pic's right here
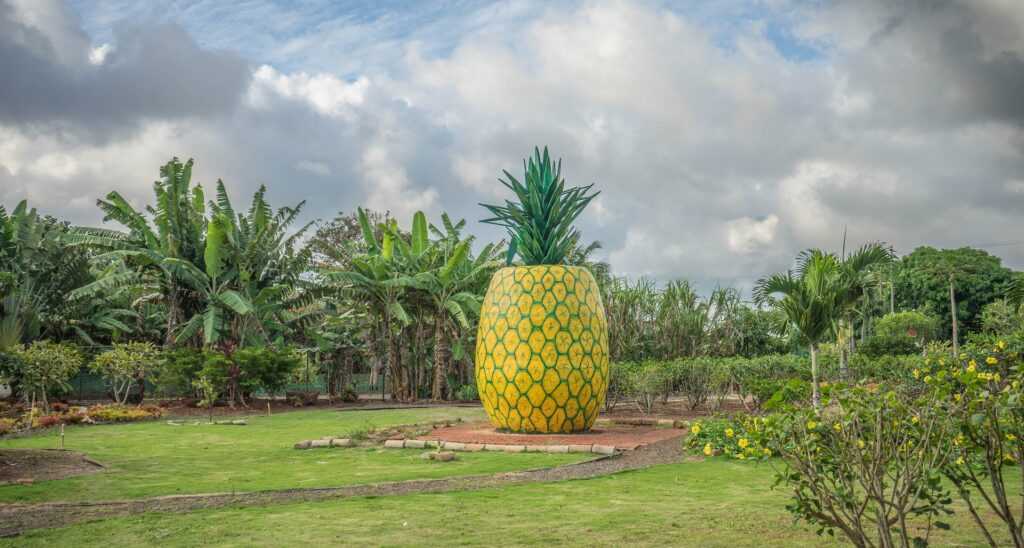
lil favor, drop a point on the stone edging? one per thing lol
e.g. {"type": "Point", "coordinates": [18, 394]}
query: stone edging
{"type": "Point", "coordinates": [475, 447]}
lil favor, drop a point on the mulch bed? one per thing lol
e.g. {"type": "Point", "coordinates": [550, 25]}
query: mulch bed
{"type": "Point", "coordinates": [31, 465]}
{"type": "Point", "coordinates": [676, 409]}
{"type": "Point", "coordinates": [623, 437]}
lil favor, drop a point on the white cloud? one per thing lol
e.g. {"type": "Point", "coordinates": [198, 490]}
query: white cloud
{"type": "Point", "coordinates": [326, 93]}
{"type": "Point", "coordinates": [717, 160]}
{"type": "Point", "coordinates": [746, 234]}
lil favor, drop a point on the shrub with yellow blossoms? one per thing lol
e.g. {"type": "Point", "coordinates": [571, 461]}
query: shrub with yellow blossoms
{"type": "Point", "coordinates": [735, 437]}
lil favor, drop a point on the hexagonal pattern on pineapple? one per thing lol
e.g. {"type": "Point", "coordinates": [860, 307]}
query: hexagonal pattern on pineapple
{"type": "Point", "coordinates": [542, 349]}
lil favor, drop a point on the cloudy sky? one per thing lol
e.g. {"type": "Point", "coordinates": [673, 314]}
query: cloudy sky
{"type": "Point", "coordinates": [725, 136]}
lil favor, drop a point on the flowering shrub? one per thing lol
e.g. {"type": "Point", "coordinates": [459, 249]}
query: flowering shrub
{"type": "Point", "coordinates": [866, 464]}
{"type": "Point", "coordinates": [985, 383]}
{"type": "Point", "coordinates": [7, 426]}
{"type": "Point", "coordinates": [119, 413]}
{"type": "Point", "coordinates": [739, 438]}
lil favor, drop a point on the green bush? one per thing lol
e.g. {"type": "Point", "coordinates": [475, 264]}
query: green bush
{"type": "Point", "coordinates": [267, 368]}
{"type": "Point", "coordinates": [648, 381]}
{"type": "Point", "coordinates": [467, 392]}
{"type": "Point", "coordinates": [177, 369]}
{"type": "Point", "coordinates": [620, 384]}
{"type": "Point", "coordinates": [694, 378]}
{"type": "Point", "coordinates": [125, 365]}
{"type": "Point", "coordinates": [736, 437]}
{"type": "Point", "coordinates": [44, 368]}
{"type": "Point", "coordinates": [879, 345]}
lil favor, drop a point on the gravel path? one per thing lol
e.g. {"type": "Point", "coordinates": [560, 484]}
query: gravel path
{"type": "Point", "coordinates": [18, 518]}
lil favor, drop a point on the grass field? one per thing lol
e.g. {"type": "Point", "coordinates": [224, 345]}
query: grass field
{"type": "Point", "coordinates": [153, 458]}
{"type": "Point", "coordinates": [710, 503]}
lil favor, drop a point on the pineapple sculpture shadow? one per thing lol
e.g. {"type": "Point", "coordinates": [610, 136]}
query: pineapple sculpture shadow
{"type": "Point", "coordinates": [542, 343]}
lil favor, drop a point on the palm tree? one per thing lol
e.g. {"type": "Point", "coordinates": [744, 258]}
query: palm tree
{"type": "Point", "coordinates": [812, 300]}
{"type": "Point", "coordinates": [855, 278]}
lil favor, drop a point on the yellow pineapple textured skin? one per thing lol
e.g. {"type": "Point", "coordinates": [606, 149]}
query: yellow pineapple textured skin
{"type": "Point", "coordinates": [542, 349]}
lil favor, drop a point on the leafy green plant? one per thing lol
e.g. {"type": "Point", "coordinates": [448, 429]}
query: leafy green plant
{"type": "Point", "coordinates": [124, 365]}
{"type": "Point", "coordinates": [44, 367]}
{"type": "Point", "coordinates": [868, 468]}
{"type": "Point", "coordinates": [540, 224]}
{"type": "Point", "coordinates": [735, 437]}
{"type": "Point", "coordinates": [467, 392]}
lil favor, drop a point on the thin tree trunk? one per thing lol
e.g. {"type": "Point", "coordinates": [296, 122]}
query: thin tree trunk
{"type": "Point", "coordinates": [952, 312]}
{"type": "Point", "coordinates": [173, 311]}
{"type": "Point", "coordinates": [892, 298]}
{"type": "Point", "coordinates": [394, 363]}
{"type": "Point", "coordinates": [815, 392]}
{"type": "Point", "coordinates": [843, 356]}
{"type": "Point", "coordinates": [442, 355]}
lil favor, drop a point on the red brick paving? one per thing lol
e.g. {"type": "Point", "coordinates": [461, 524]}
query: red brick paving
{"type": "Point", "coordinates": [623, 437]}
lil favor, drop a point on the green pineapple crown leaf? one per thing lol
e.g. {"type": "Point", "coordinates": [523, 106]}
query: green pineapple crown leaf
{"type": "Point", "coordinates": [540, 224]}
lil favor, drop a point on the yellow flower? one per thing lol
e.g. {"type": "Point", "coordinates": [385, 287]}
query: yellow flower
{"type": "Point", "coordinates": [971, 366]}
{"type": "Point", "coordinates": [860, 444]}
{"type": "Point", "coordinates": [695, 429]}
{"type": "Point", "coordinates": [917, 373]}
{"type": "Point", "coordinates": [837, 427]}
{"type": "Point", "coordinates": [960, 461]}
{"type": "Point", "coordinates": [957, 396]}
{"type": "Point", "coordinates": [1011, 437]}
{"type": "Point", "coordinates": [991, 360]}
{"type": "Point", "coordinates": [1001, 345]}
{"type": "Point", "coordinates": [728, 432]}
{"type": "Point", "coordinates": [811, 425]}
{"type": "Point", "coordinates": [767, 452]}
{"type": "Point", "coordinates": [927, 379]}
{"type": "Point", "coordinates": [708, 450]}
{"type": "Point", "coordinates": [743, 443]}
{"type": "Point", "coordinates": [914, 419]}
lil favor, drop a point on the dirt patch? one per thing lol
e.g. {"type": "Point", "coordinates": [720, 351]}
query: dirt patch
{"type": "Point", "coordinates": [676, 409]}
{"type": "Point", "coordinates": [623, 437]}
{"type": "Point", "coordinates": [31, 465]}
{"type": "Point", "coordinates": [18, 518]}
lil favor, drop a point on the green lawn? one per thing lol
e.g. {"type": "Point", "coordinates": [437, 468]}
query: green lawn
{"type": "Point", "coordinates": [711, 503]}
{"type": "Point", "coordinates": [154, 458]}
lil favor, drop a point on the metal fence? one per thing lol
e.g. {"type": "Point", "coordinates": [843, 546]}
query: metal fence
{"type": "Point", "coordinates": [88, 386]}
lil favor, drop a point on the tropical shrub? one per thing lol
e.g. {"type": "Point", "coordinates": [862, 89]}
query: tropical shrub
{"type": "Point", "coordinates": [649, 380]}
{"type": "Point", "coordinates": [736, 437]}
{"type": "Point", "coordinates": [177, 369]}
{"type": "Point", "coordinates": [883, 345]}
{"type": "Point", "coordinates": [266, 368]}
{"type": "Point", "coordinates": [467, 392]}
{"type": "Point", "coordinates": [620, 384]}
{"type": "Point", "coordinates": [989, 429]}
{"type": "Point", "coordinates": [694, 378]}
{"type": "Point", "coordinates": [866, 464]}
{"type": "Point", "coordinates": [124, 365]}
{"type": "Point", "coordinates": [44, 367]}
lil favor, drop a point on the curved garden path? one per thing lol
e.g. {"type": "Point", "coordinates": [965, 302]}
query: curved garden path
{"type": "Point", "coordinates": [17, 518]}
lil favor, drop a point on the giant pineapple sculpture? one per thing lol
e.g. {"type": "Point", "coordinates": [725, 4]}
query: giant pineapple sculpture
{"type": "Point", "coordinates": [542, 344]}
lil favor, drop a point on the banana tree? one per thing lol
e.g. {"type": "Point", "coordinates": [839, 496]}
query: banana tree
{"type": "Point", "coordinates": [453, 288]}
{"type": "Point", "coordinates": [376, 278]}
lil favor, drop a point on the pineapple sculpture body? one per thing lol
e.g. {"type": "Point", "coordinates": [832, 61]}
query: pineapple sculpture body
{"type": "Point", "coordinates": [542, 349]}
{"type": "Point", "coordinates": [542, 344]}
